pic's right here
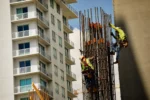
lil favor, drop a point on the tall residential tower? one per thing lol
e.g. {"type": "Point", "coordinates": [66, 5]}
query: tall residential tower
{"type": "Point", "coordinates": [35, 47]}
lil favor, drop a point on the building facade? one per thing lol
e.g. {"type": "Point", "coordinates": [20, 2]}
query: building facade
{"type": "Point", "coordinates": [134, 17]}
{"type": "Point", "coordinates": [36, 48]}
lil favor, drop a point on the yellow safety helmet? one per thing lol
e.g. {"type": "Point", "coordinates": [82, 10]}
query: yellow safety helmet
{"type": "Point", "coordinates": [81, 57]}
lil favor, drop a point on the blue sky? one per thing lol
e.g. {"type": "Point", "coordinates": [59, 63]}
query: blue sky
{"type": "Point", "coordinates": [82, 5]}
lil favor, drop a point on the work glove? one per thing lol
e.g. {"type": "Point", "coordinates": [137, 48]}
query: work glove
{"type": "Point", "coordinates": [109, 24]}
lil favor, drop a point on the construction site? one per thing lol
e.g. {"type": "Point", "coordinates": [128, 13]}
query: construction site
{"type": "Point", "coordinates": [112, 67]}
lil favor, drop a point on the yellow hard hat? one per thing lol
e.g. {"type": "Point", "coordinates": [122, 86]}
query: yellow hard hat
{"type": "Point", "coordinates": [81, 57]}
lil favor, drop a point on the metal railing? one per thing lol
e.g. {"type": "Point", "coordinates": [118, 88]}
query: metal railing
{"type": "Point", "coordinates": [23, 52]}
{"type": "Point", "coordinates": [71, 74]}
{"type": "Point", "coordinates": [43, 53]}
{"type": "Point", "coordinates": [28, 33]}
{"type": "Point", "coordinates": [67, 24]}
{"type": "Point", "coordinates": [45, 37]}
{"type": "Point", "coordinates": [70, 89]}
{"type": "Point", "coordinates": [27, 88]}
{"type": "Point", "coordinates": [43, 3]}
{"type": "Point", "coordinates": [43, 19]}
{"type": "Point", "coordinates": [28, 15]}
{"type": "Point", "coordinates": [30, 69]}
{"type": "Point", "coordinates": [70, 42]}
{"type": "Point", "coordinates": [12, 1]}
{"type": "Point", "coordinates": [70, 7]}
{"type": "Point", "coordinates": [70, 58]}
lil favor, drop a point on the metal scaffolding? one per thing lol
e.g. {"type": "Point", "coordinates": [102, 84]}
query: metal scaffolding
{"type": "Point", "coordinates": [95, 40]}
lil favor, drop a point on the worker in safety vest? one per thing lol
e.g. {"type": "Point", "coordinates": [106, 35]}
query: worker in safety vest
{"type": "Point", "coordinates": [121, 42]}
{"type": "Point", "coordinates": [88, 72]}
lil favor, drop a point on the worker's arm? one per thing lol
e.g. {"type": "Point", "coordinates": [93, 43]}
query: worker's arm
{"type": "Point", "coordinates": [90, 58]}
{"type": "Point", "coordinates": [113, 36]}
{"type": "Point", "coordinates": [113, 26]}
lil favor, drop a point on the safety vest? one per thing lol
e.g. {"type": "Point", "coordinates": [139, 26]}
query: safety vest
{"type": "Point", "coordinates": [120, 31]}
{"type": "Point", "coordinates": [85, 66]}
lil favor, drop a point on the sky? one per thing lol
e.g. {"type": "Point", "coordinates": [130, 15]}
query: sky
{"type": "Point", "coordinates": [82, 5]}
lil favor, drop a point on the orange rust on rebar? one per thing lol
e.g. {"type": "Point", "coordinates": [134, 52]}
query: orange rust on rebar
{"type": "Point", "coordinates": [89, 42]}
{"type": "Point", "coordinates": [94, 40]}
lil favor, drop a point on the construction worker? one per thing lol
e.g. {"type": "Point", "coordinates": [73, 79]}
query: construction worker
{"type": "Point", "coordinates": [88, 72]}
{"type": "Point", "coordinates": [121, 42]}
{"type": "Point", "coordinates": [120, 33]}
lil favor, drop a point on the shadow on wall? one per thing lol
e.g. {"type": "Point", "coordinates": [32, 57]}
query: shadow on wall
{"type": "Point", "coordinates": [130, 79]}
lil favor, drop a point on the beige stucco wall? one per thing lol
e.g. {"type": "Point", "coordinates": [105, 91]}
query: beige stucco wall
{"type": "Point", "coordinates": [134, 66]}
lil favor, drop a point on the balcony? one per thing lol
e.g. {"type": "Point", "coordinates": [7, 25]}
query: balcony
{"type": "Point", "coordinates": [25, 89]}
{"type": "Point", "coordinates": [34, 51]}
{"type": "Point", "coordinates": [70, 92]}
{"type": "Point", "coordinates": [68, 10]}
{"type": "Point", "coordinates": [19, 2]}
{"type": "Point", "coordinates": [30, 16]}
{"type": "Point", "coordinates": [71, 1]}
{"type": "Point", "coordinates": [69, 44]}
{"type": "Point", "coordinates": [71, 76]}
{"type": "Point", "coordinates": [40, 3]}
{"type": "Point", "coordinates": [31, 34]}
{"type": "Point", "coordinates": [68, 28]}
{"type": "Point", "coordinates": [70, 60]}
{"type": "Point", "coordinates": [32, 70]}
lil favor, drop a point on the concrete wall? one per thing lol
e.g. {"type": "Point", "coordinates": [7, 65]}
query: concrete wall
{"type": "Point", "coordinates": [6, 67]}
{"type": "Point", "coordinates": [134, 66]}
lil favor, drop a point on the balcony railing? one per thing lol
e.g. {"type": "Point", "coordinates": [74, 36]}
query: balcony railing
{"type": "Point", "coordinates": [43, 3]}
{"type": "Point", "coordinates": [70, 58]}
{"type": "Point", "coordinates": [71, 74]}
{"type": "Point", "coordinates": [28, 33]}
{"type": "Point", "coordinates": [43, 19]}
{"type": "Point", "coordinates": [32, 69]}
{"type": "Point", "coordinates": [12, 1]}
{"type": "Point", "coordinates": [70, 42]}
{"type": "Point", "coordinates": [22, 16]}
{"type": "Point", "coordinates": [27, 88]}
{"type": "Point", "coordinates": [70, 89]}
{"type": "Point", "coordinates": [70, 7]}
{"type": "Point", "coordinates": [29, 15]}
{"type": "Point", "coordinates": [67, 24]}
{"type": "Point", "coordinates": [30, 51]}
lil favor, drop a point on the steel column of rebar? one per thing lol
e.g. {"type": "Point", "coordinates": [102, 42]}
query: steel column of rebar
{"type": "Point", "coordinates": [94, 40]}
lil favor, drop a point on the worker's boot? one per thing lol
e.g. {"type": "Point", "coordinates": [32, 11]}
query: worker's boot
{"type": "Point", "coordinates": [112, 53]}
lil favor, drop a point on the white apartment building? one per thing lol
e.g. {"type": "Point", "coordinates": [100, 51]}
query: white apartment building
{"type": "Point", "coordinates": [36, 48]}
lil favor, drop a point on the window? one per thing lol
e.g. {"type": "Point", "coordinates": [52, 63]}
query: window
{"type": "Point", "coordinates": [52, 19]}
{"type": "Point", "coordinates": [66, 52]}
{"type": "Point", "coordinates": [65, 36]}
{"type": "Point", "coordinates": [41, 32]}
{"type": "Point", "coordinates": [40, 14]}
{"type": "Point", "coordinates": [42, 49]}
{"type": "Point", "coordinates": [26, 98]}
{"type": "Point", "coordinates": [58, 8]}
{"type": "Point", "coordinates": [61, 57]}
{"type": "Point", "coordinates": [67, 68]}
{"type": "Point", "coordinates": [64, 20]}
{"type": "Point", "coordinates": [25, 85]}
{"type": "Point", "coordinates": [22, 10]}
{"type": "Point", "coordinates": [56, 88]}
{"type": "Point", "coordinates": [62, 75]}
{"type": "Point", "coordinates": [56, 70]}
{"type": "Point", "coordinates": [23, 28]}
{"type": "Point", "coordinates": [54, 53]}
{"type": "Point", "coordinates": [60, 41]}
{"type": "Point", "coordinates": [59, 24]}
{"type": "Point", "coordinates": [43, 83]}
{"type": "Point", "coordinates": [26, 63]}
{"type": "Point", "coordinates": [42, 67]}
{"type": "Point", "coordinates": [24, 45]}
{"type": "Point", "coordinates": [54, 36]}
{"type": "Point", "coordinates": [52, 3]}
{"type": "Point", "coordinates": [63, 92]}
{"type": "Point", "coordinates": [69, 85]}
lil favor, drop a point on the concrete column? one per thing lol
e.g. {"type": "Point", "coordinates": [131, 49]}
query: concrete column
{"type": "Point", "coordinates": [134, 64]}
